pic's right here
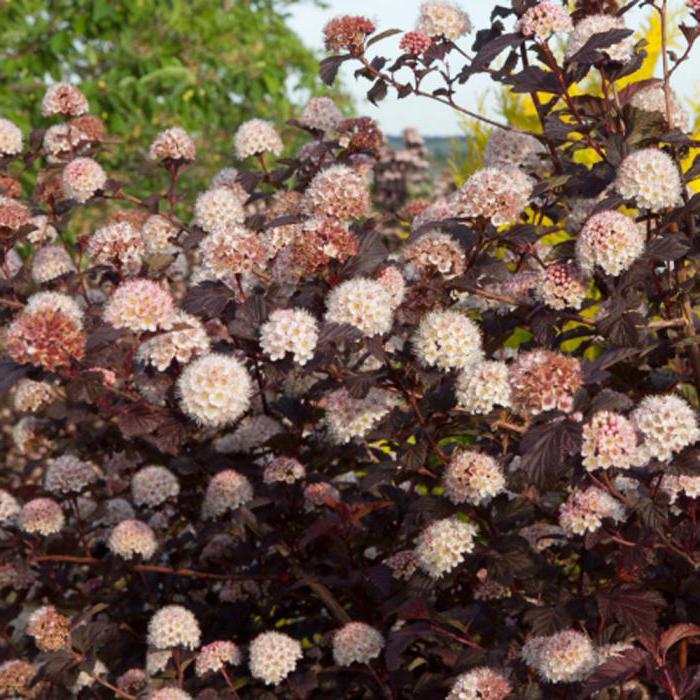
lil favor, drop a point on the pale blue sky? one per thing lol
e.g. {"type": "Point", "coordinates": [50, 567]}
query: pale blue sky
{"type": "Point", "coordinates": [431, 118]}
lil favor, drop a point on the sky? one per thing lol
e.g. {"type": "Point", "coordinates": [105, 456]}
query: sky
{"type": "Point", "coordinates": [308, 20]}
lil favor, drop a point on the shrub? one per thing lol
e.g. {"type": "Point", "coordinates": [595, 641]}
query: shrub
{"type": "Point", "coordinates": [287, 447]}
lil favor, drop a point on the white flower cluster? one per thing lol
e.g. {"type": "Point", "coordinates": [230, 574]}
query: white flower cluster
{"type": "Point", "coordinates": [562, 287]}
{"type": "Point", "coordinates": [140, 305]}
{"type": "Point", "coordinates": [498, 194]}
{"type": "Point", "coordinates": [10, 138]}
{"type": "Point", "coordinates": [585, 510]}
{"type": "Point", "coordinates": [82, 178]}
{"type": "Point", "coordinates": [441, 18]}
{"type": "Point", "coordinates": [565, 657]}
{"type": "Point", "coordinates": [173, 626]}
{"type": "Point", "coordinates": [507, 148]}
{"type": "Point", "coordinates": [363, 303]}
{"type": "Point", "coordinates": [483, 386]}
{"type": "Point", "coordinates": [667, 425]}
{"type": "Point", "coordinates": [154, 485]}
{"type": "Point", "coordinates": [653, 99]}
{"type": "Point", "coordinates": [69, 474]}
{"type": "Point", "coordinates": [131, 538]}
{"type": "Point", "coordinates": [480, 683]}
{"type": "Point", "coordinates": [443, 545]}
{"type": "Point", "coordinates": [41, 516]}
{"type": "Point", "coordinates": [255, 137]}
{"type": "Point", "coordinates": [544, 19]}
{"type": "Point", "coordinates": [117, 245]}
{"type": "Point", "coordinates": [31, 396]}
{"type": "Point", "coordinates": [650, 177]}
{"type": "Point", "coordinates": [226, 491]}
{"type": "Point", "coordinates": [448, 340]}
{"type": "Point", "coordinates": [599, 24]}
{"type": "Point", "coordinates": [473, 477]}
{"type": "Point", "coordinates": [289, 330]}
{"type": "Point", "coordinates": [321, 113]}
{"type": "Point", "coordinates": [676, 484]}
{"type": "Point", "coordinates": [215, 390]}
{"type": "Point", "coordinates": [218, 210]}
{"type": "Point", "coordinates": [611, 241]}
{"type": "Point", "coordinates": [609, 440]}
{"type": "Point", "coordinates": [173, 144]}
{"type": "Point", "coordinates": [284, 469]}
{"type": "Point", "coordinates": [273, 656]}
{"type": "Point", "coordinates": [436, 251]}
{"type": "Point", "coordinates": [350, 419]}
{"type": "Point", "coordinates": [215, 656]}
{"type": "Point", "coordinates": [356, 642]}
{"type": "Point", "coordinates": [187, 339]}
{"type": "Point", "coordinates": [51, 262]}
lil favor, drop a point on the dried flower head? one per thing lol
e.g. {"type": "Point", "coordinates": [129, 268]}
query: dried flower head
{"type": "Point", "coordinates": [415, 43]}
{"type": "Point", "coordinates": [233, 251]}
{"type": "Point", "coordinates": [667, 424]}
{"type": "Point", "coordinates": [611, 241]}
{"type": "Point", "coordinates": [64, 99]}
{"type": "Point", "coordinates": [650, 177]}
{"type": "Point", "coordinates": [226, 491]}
{"type": "Point", "coordinates": [173, 626]}
{"type": "Point", "coordinates": [321, 113]}
{"type": "Point", "coordinates": [256, 137]}
{"type": "Point", "coordinates": [609, 440]}
{"type": "Point", "coordinates": [69, 474]}
{"type": "Point", "coordinates": [117, 245]}
{"type": "Point", "coordinates": [321, 493]}
{"type": "Point", "coordinates": [543, 380]}
{"type": "Point", "coordinates": [217, 210]}
{"type": "Point", "coordinates": [585, 28]}
{"type": "Point", "coordinates": [15, 678]}
{"type": "Point", "coordinates": [153, 485]}
{"type": "Point", "coordinates": [337, 192]}
{"type": "Point", "coordinates": [360, 135]}
{"type": "Point", "coordinates": [289, 330]}
{"type": "Point", "coordinates": [319, 241]}
{"type": "Point", "coordinates": [564, 657]}
{"type": "Point", "coordinates": [356, 642]}
{"type": "Point", "coordinates": [480, 684]}
{"type": "Point", "coordinates": [132, 538]}
{"type": "Point", "coordinates": [499, 194]}
{"type": "Point", "coordinates": [363, 303]}
{"type": "Point", "coordinates": [473, 477]}
{"type": "Point", "coordinates": [439, 18]}
{"type": "Point", "coordinates": [140, 305]}
{"type": "Point", "coordinates": [45, 338]}
{"type": "Point", "coordinates": [173, 144]}
{"type": "Point", "coordinates": [83, 178]}
{"type": "Point", "coordinates": [443, 545]}
{"type": "Point", "coordinates": [10, 138]}
{"type": "Point", "coordinates": [30, 396]}
{"type": "Point", "coordinates": [403, 564]}
{"type": "Point", "coordinates": [215, 656]}
{"type": "Point", "coordinates": [13, 214]}
{"type": "Point", "coordinates": [133, 680]}
{"type": "Point", "coordinates": [273, 656]}
{"type": "Point", "coordinates": [347, 33]}
{"type": "Point", "coordinates": [215, 390]}
{"type": "Point", "coordinates": [544, 19]}
{"type": "Point", "coordinates": [448, 340]}
{"type": "Point", "coordinates": [585, 510]}
{"type": "Point", "coordinates": [49, 629]}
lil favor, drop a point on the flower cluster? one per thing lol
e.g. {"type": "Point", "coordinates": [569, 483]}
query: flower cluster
{"type": "Point", "coordinates": [585, 510]}
{"type": "Point", "coordinates": [442, 546]}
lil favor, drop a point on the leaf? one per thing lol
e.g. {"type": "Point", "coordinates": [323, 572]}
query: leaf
{"type": "Point", "coordinates": [652, 512]}
{"type": "Point", "coordinates": [488, 53]}
{"type": "Point", "coordinates": [635, 608]}
{"type": "Point", "coordinates": [139, 419]}
{"type": "Point", "coordinates": [10, 374]}
{"type": "Point", "coordinates": [337, 333]}
{"type": "Point", "coordinates": [383, 35]}
{"type": "Point", "coordinates": [615, 671]}
{"type": "Point", "coordinates": [377, 92]}
{"type": "Point", "coordinates": [591, 51]}
{"type": "Point", "coordinates": [329, 68]}
{"type": "Point", "coordinates": [208, 299]}
{"type": "Point", "coordinates": [545, 447]}
{"type": "Point", "coordinates": [669, 247]}
{"type": "Point", "coordinates": [534, 79]}
{"type": "Point", "coordinates": [675, 634]}
{"type": "Point", "coordinates": [371, 253]}
{"type": "Point", "coordinates": [547, 619]}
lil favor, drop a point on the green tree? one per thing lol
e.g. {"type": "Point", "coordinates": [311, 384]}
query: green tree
{"type": "Point", "coordinates": [205, 65]}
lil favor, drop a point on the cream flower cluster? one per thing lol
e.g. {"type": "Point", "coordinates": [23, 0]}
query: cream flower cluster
{"type": "Point", "coordinates": [562, 287]}
{"type": "Point", "coordinates": [273, 656]}
{"type": "Point", "coordinates": [611, 241]}
{"type": "Point", "coordinates": [217, 210]}
{"type": "Point", "coordinates": [140, 305]}
{"type": "Point", "coordinates": [215, 656]}
{"type": "Point", "coordinates": [117, 245]}
{"type": "Point", "coordinates": [153, 485]}
{"type": "Point", "coordinates": [483, 386]}
{"type": "Point", "coordinates": [363, 303]}
{"type": "Point", "coordinates": [436, 251]}
{"type": "Point", "coordinates": [292, 331]}
{"type": "Point", "coordinates": [356, 642]}
{"type": "Point", "coordinates": [10, 138]}
{"type": "Point", "coordinates": [131, 538]}
{"type": "Point", "coordinates": [173, 144]}
{"type": "Point", "coordinates": [653, 99]}
{"type": "Point", "coordinates": [31, 396]}
{"type": "Point", "coordinates": [442, 546]}
{"type": "Point", "coordinates": [585, 510]}
{"type": "Point", "coordinates": [41, 516]}
{"type": "Point", "coordinates": [349, 419]}
{"type": "Point", "coordinates": [173, 626]}
{"type": "Point", "coordinates": [609, 440]}
{"type": "Point", "coordinates": [480, 683]}
{"type": "Point", "coordinates": [215, 390]}
{"type": "Point", "coordinates": [650, 177]}
{"type": "Point", "coordinates": [82, 178]}
{"type": "Point", "coordinates": [50, 263]}
{"type": "Point", "coordinates": [473, 477]}
{"type": "Point", "coordinates": [226, 491]}
{"type": "Point", "coordinates": [565, 657]}
{"type": "Point", "coordinates": [337, 192]}
{"type": "Point", "coordinates": [544, 19]}
{"type": "Point", "coordinates": [441, 18]}
{"type": "Point", "coordinates": [321, 113]}
{"type": "Point", "coordinates": [69, 474]}
{"type": "Point", "coordinates": [667, 425]}
{"type": "Point", "coordinates": [255, 137]}
{"type": "Point", "coordinates": [187, 339]}
{"type": "Point", "coordinates": [507, 148]}
{"type": "Point", "coordinates": [599, 24]}
{"type": "Point", "coordinates": [448, 340]}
